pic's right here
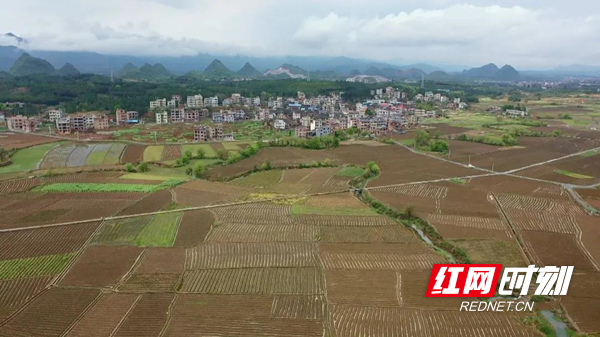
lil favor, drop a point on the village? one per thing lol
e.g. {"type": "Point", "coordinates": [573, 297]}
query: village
{"type": "Point", "coordinates": [389, 111]}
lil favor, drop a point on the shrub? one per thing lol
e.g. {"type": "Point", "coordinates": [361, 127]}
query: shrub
{"type": "Point", "coordinates": [266, 165]}
{"type": "Point", "coordinates": [198, 170]}
{"type": "Point", "coordinates": [187, 154]}
{"type": "Point", "coordinates": [129, 167]}
{"type": "Point", "coordinates": [143, 167]}
{"type": "Point", "coordinates": [188, 171]}
{"type": "Point", "coordinates": [200, 153]}
{"type": "Point", "coordinates": [222, 154]}
{"type": "Point", "coordinates": [185, 160]}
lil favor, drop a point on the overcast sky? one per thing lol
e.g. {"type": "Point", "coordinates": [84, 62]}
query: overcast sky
{"type": "Point", "coordinates": [529, 34]}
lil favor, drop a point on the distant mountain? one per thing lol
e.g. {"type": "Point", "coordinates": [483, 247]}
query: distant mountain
{"type": "Point", "coordinates": [8, 56]}
{"type": "Point", "coordinates": [248, 71]}
{"type": "Point", "coordinates": [414, 74]}
{"type": "Point", "coordinates": [354, 72]}
{"type": "Point", "coordinates": [487, 71]}
{"type": "Point", "coordinates": [287, 71]}
{"type": "Point", "coordinates": [28, 65]}
{"type": "Point", "coordinates": [68, 70]}
{"type": "Point", "coordinates": [374, 71]}
{"type": "Point", "coordinates": [438, 75]}
{"type": "Point", "coordinates": [507, 73]}
{"type": "Point", "coordinates": [216, 69]}
{"type": "Point", "coordinates": [146, 72]}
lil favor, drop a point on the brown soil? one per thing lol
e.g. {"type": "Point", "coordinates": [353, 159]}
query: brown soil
{"type": "Point", "coordinates": [194, 228]}
{"type": "Point", "coordinates": [362, 287]}
{"type": "Point", "coordinates": [412, 292]}
{"type": "Point", "coordinates": [15, 293]}
{"type": "Point", "coordinates": [172, 152]}
{"type": "Point", "coordinates": [133, 154]}
{"type": "Point", "coordinates": [18, 141]}
{"type": "Point", "coordinates": [152, 203]}
{"type": "Point", "coordinates": [101, 266]}
{"type": "Point", "coordinates": [563, 251]}
{"type": "Point", "coordinates": [104, 316]}
{"type": "Point", "coordinates": [162, 260]}
{"type": "Point", "coordinates": [148, 316]}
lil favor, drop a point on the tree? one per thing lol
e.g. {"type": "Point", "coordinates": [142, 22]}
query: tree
{"type": "Point", "coordinates": [185, 160]}
{"type": "Point", "coordinates": [188, 154]}
{"type": "Point", "coordinates": [188, 171]}
{"type": "Point", "coordinates": [423, 138]}
{"type": "Point", "coordinates": [129, 167]}
{"type": "Point", "coordinates": [143, 167]}
{"type": "Point", "coordinates": [222, 154]}
{"type": "Point", "coordinates": [198, 170]}
{"type": "Point", "coordinates": [200, 153]}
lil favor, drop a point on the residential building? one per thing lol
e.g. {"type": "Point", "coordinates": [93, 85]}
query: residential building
{"type": "Point", "coordinates": [195, 101]}
{"type": "Point", "coordinates": [63, 125]}
{"type": "Point", "coordinates": [127, 117]}
{"type": "Point", "coordinates": [101, 122]}
{"type": "Point", "coordinates": [211, 101]}
{"type": "Point", "coordinates": [301, 132]}
{"type": "Point", "coordinates": [217, 117]}
{"type": "Point", "coordinates": [279, 124]}
{"type": "Point", "coordinates": [159, 103]}
{"type": "Point", "coordinates": [22, 124]}
{"type": "Point", "coordinates": [191, 116]}
{"type": "Point", "coordinates": [200, 133]}
{"type": "Point", "coordinates": [54, 114]}
{"type": "Point", "coordinates": [82, 122]}
{"type": "Point", "coordinates": [162, 117]}
{"type": "Point", "coordinates": [177, 115]}
{"type": "Point", "coordinates": [323, 131]}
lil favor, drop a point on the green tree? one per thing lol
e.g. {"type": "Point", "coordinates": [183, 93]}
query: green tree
{"type": "Point", "coordinates": [200, 153]}
{"type": "Point", "coordinates": [129, 167]}
{"type": "Point", "coordinates": [198, 170]}
{"type": "Point", "coordinates": [143, 167]}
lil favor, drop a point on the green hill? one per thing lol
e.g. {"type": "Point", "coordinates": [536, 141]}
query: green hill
{"type": "Point", "coordinates": [146, 72]}
{"type": "Point", "coordinates": [248, 71]}
{"type": "Point", "coordinates": [216, 69]}
{"type": "Point", "coordinates": [28, 65]}
{"type": "Point", "coordinates": [68, 70]}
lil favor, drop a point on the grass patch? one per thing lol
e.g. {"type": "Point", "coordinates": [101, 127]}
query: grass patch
{"type": "Point", "coordinates": [28, 158]}
{"type": "Point", "coordinates": [458, 181]}
{"type": "Point", "coordinates": [303, 209]}
{"type": "Point", "coordinates": [407, 142]}
{"type": "Point", "coordinates": [95, 158]}
{"type": "Point", "coordinates": [121, 232]}
{"type": "Point", "coordinates": [231, 146]}
{"type": "Point", "coordinates": [159, 173]}
{"type": "Point", "coordinates": [492, 251]}
{"type": "Point", "coordinates": [209, 152]}
{"type": "Point", "coordinates": [153, 153]}
{"type": "Point", "coordinates": [590, 153]}
{"type": "Point", "coordinates": [263, 179]}
{"type": "Point", "coordinates": [350, 171]}
{"type": "Point", "coordinates": [94, 187]}
{"type": "Point", "coordinates": [464, 119]}
{"type": "Point", "coordinates": [161, 231]}
{"type": "Point", "coordinates": [573, 174]}
{"type": "Point", "coordinates": [33, 266]}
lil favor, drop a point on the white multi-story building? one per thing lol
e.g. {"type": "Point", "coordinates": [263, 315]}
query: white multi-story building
{"type": "Point", "coordinates": [279, 124]}
{"type": "Point", "coordinates": [211, 101]}
{"type": "Point", "coordinates": [195, 101]}
{"type": "Point", "coordinates": [162, 117]}
{"type": "Point", "coordinates": [53, 115]}
{"type": "Point", "coordinates": [159, 103]}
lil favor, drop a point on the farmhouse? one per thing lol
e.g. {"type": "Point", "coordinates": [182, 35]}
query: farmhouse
{"type": "Point", "coordinates": [22, 123]}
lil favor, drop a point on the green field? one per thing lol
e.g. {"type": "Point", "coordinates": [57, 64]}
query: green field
{"type": "Point", "coordinates": [95, 158]}
{"type": "Point", "coordinates": [34, 266]}
{"type": "Point", "coordinates": [27, 159]}
{"type": "Point", "coordinates": [407, 142]}
{"type": "Point", "coordinates": [464, 119]}
{"type": "Point", "coordinates": [350, 171]}
{"type": "Point", "coordinates": [262, 179]}
{"type": "Point", "coordinates": [251, 130]}
{"type": "Point", "coordinates": [590, 153]}
{"type": "Point", "coordinates": [161, 231]}
{"type": "Point", "coordinates": [209, 152]}
{"type": "Point", "coordinates": [113, 187]}
{"type": "Point", "coordinates": [303, 209]}
{"type": "Point", "coordinates": [458, 181]}
{"type": "Point", "coordinates": [573, 174]}
{"type": "Point", "coordinates": [121, 232]}
{"type": "Point", "coordinates": [153, 153]}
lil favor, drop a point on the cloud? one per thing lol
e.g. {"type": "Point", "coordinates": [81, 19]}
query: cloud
{"type": "Point", "coordinates": [530, 35]}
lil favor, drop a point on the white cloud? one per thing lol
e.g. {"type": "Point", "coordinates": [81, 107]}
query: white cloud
{"type": "Point", "coordinates": [532, 35]}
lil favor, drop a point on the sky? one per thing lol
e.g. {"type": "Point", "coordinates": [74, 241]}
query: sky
{"type": "Point", "coordinates": [527, 34]}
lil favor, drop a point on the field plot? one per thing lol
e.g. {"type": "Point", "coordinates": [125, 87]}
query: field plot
{"type": "Point", "coordinates": [34, 266]}
{"type": "Point", "coordinates": [133, 154]}
{"type": "Point", "coordinates": [113, 155]}
{"type": "Point", "coordinates": [44, 241]}
{"type": "Point", "coordinates": [18, 185]}
{"type": "Point", "coordinates": [148, 316]}
{"type": "Point", "coordinates": [153, 153]}
{"type": "Point", "coordinates": [9, 140]}
{"type": "Point", "coordinates": [57, 157]}
{"type": "Point", "coordinates": [255, 213]}
{"type": "Point", "coordinates": [251, 255]}
{"type": "Point", "coordinates": [398, 322]}
{"type": "Point", "coordinates": [366, 234]}
{"type": "Point", "coordinates": [154, 282]}
{"type": "Point", "coordinates": [418, 190]}
{"type": "Point", "coordinates": [172, 152]}
{"type": "Point", "coordinates": [194, 227]}
{"type": "Point", "coordinates": [96, 157]}
{"type": "Point", "coordinates": [525, 203]}
{"type": "Point", "coordinates": [377, 256]}
{"type": "Point", "coordinates": [209, 152]}
{"type": "Point", "coordinates": [151, 203]}
{"type": "Point", "coordinates": [542, 221]}
{"type": "Point", "coordinates": [341, 220]}
{"type": "Point", "coordinates": [504, 252]}
{"type": "Point", "coordinates": [565, 250]}
{"type": "Point", "coordinates": [104, 317]}
{"type": "Point", "coordinates": [363, 287]}
{"type": "Point", "coordinates": [466, 221]}
{"type": "Point", "coordinates": [160, 232]}
{"type": "Point", "coordinates": [582, 300]}
{"type": "Point", "coordinates": [411, 292]}
{"type": "Point", "coordinates": [246, 315]}
{"type": "Point", "coordinates": [27, 159]}
{"type": "Point", "coordinates": [121, 232]}
{"type": "Point", "coordinates": [15, 293]}
{"type": "Point", "coordinates": [48, 315]}
{"type": "Point", "coordinates": [254, 281]}
{"type": "Point", "coordinates": [237, 232]}
{"type": "Point", "coordinates": [79, 155]}
{"type": "Point", "coordinates": [591, 196]}
{"type": "Point", "coordinates": [101, 266]}
{"type": "Point", "coordinates": [339, 200]}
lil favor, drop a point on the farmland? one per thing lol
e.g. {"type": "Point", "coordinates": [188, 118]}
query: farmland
{"type": "Point", "coordinates": [290, 249]}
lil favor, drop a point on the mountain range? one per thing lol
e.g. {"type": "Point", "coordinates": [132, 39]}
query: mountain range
{"type": "Point", "coordinates": [27, 65]}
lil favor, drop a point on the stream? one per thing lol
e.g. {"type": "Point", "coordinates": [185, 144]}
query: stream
{"type": "Point", "coordinates": [559, 327]}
